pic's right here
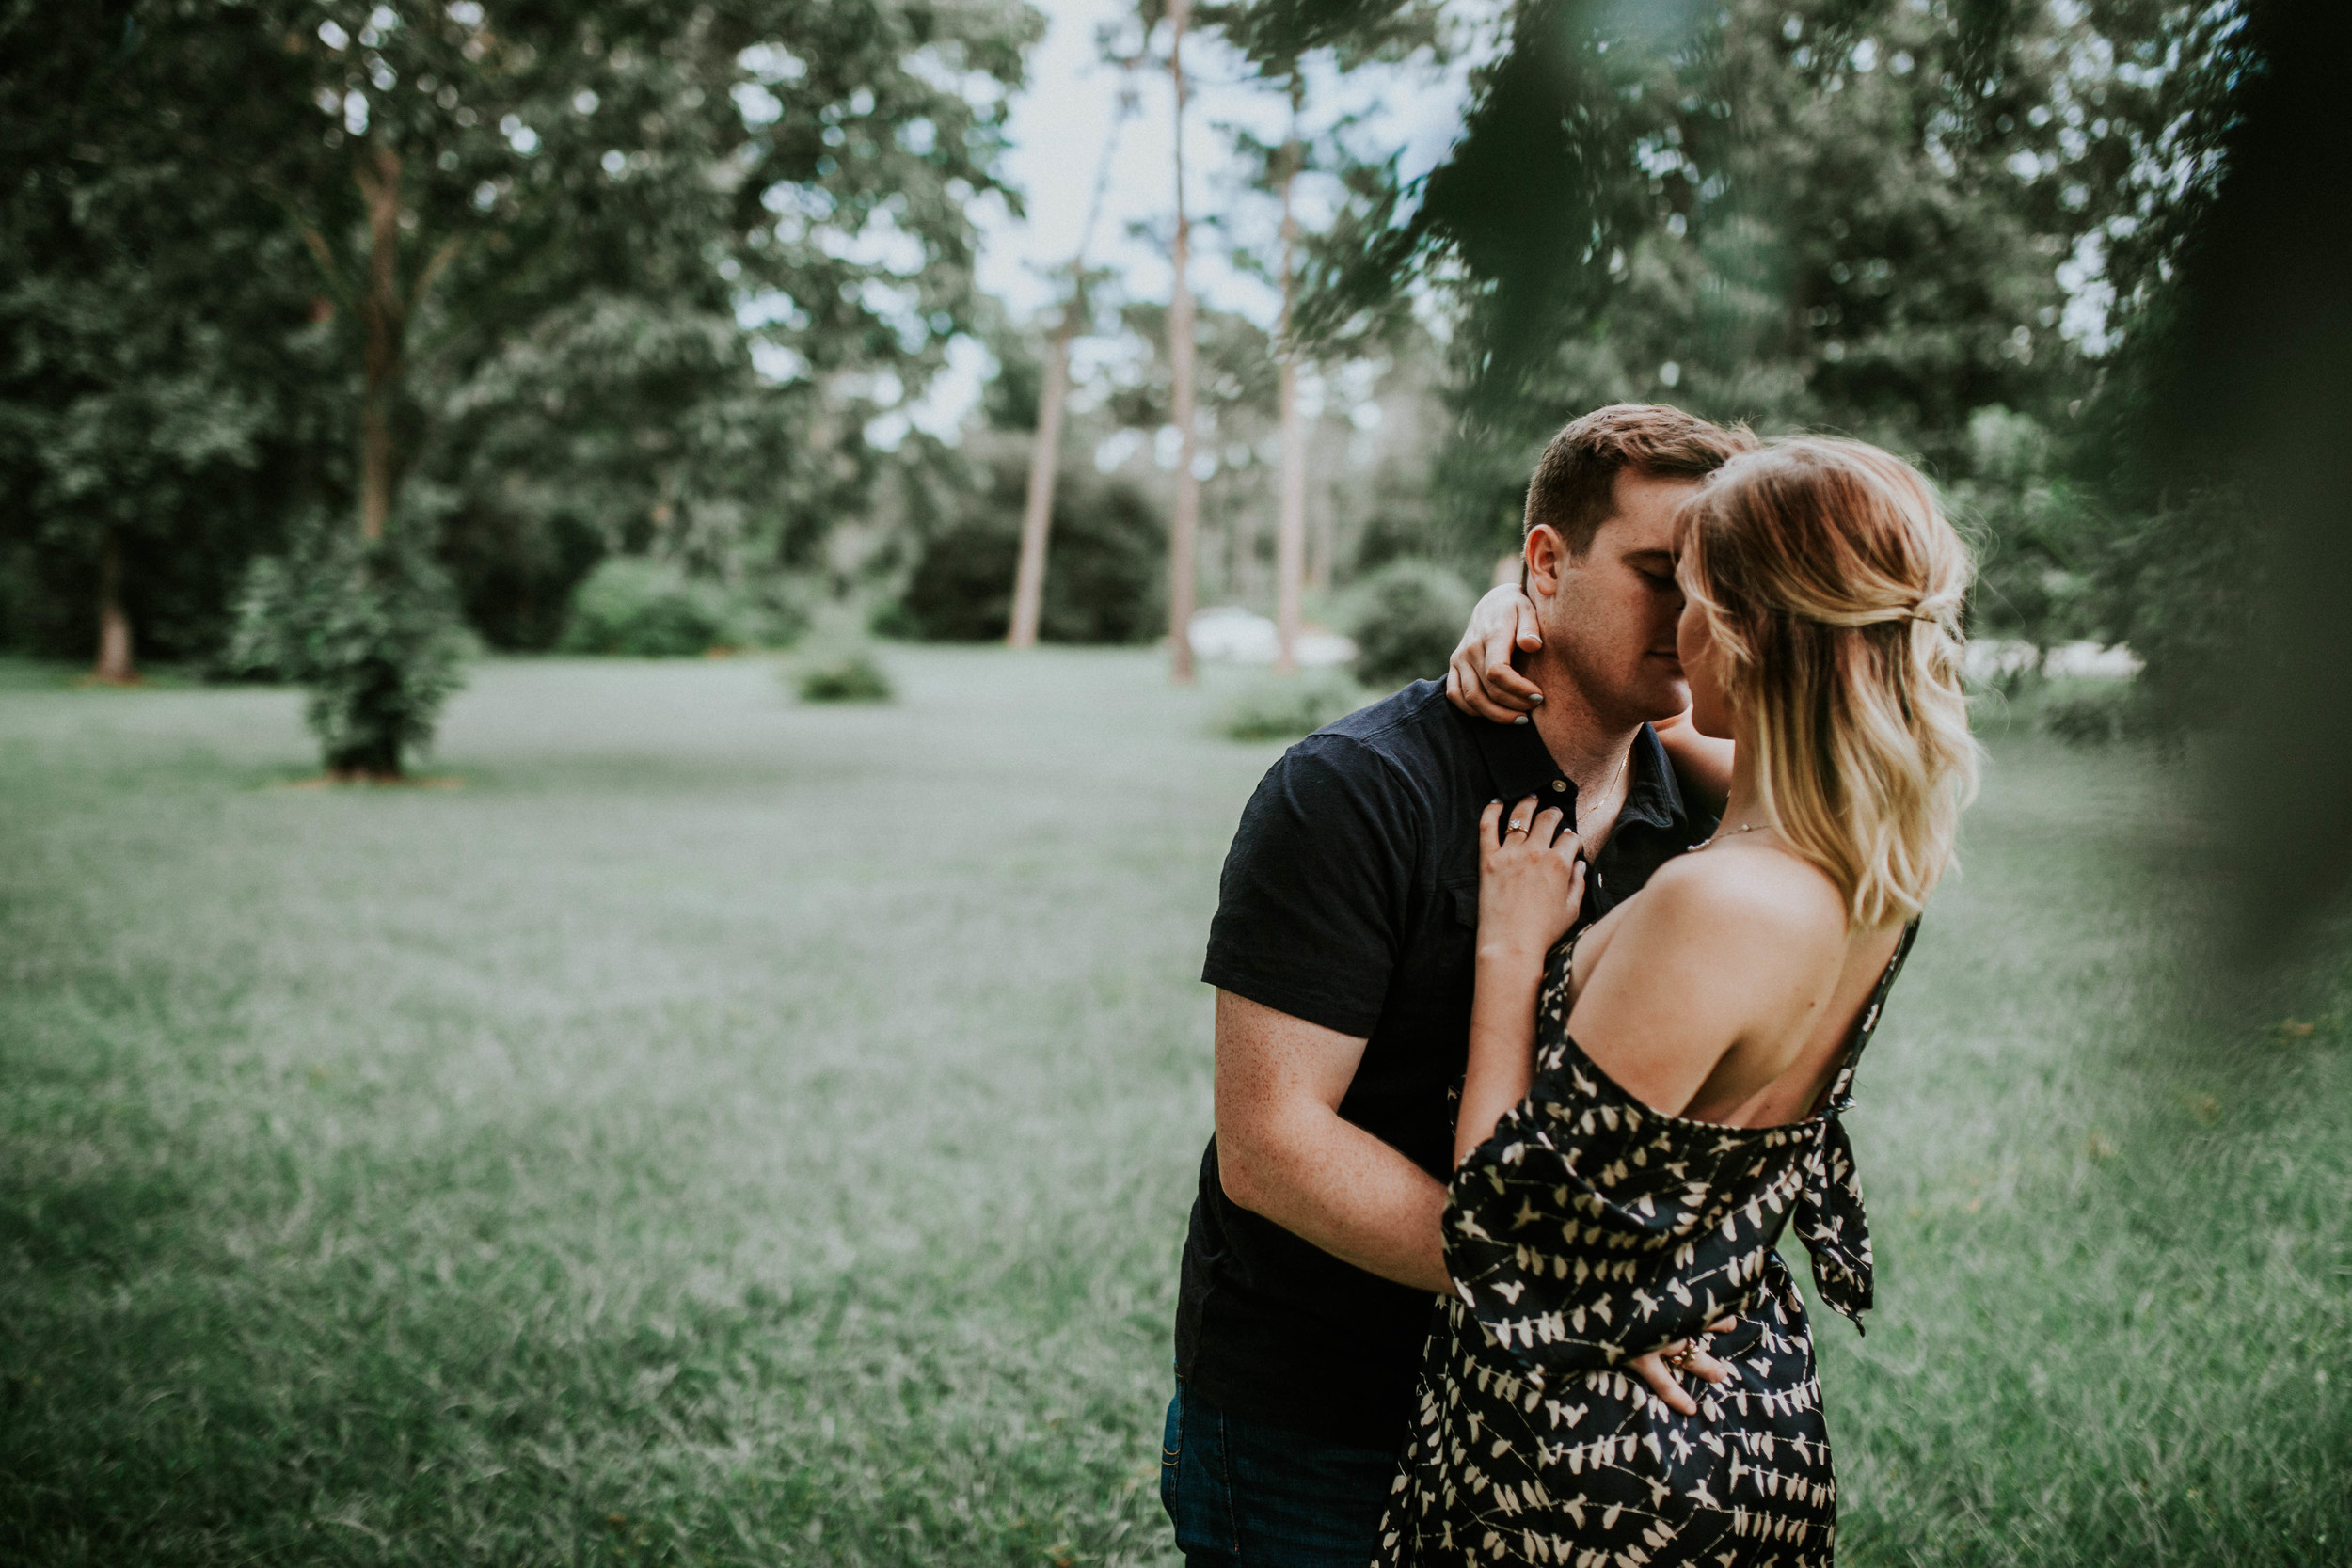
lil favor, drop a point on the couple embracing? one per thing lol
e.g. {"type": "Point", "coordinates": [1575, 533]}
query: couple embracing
{"type": "Point", "coordinates": [1539, 996]}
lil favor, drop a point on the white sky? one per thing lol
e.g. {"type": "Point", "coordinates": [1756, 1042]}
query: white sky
{"type": "Point", "coordinates": [1062, 122]}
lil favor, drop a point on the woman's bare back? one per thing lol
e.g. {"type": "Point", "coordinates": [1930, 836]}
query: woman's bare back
{"type": "Point", "coordinates": [1757, 943]}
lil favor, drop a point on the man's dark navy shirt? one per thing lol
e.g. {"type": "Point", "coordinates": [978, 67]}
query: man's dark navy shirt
{"type": "Point", "coordinates": [1350, 899]}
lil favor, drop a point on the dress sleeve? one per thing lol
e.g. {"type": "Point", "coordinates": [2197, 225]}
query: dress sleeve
{"type": "Point", "coordinates": [1312, 904]}
{"type": "Point", "coordinates": [1589, 1231]}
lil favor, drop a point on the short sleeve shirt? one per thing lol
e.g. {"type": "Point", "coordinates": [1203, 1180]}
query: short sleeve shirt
{"type": "Point", "coordinates": [1350, 899]}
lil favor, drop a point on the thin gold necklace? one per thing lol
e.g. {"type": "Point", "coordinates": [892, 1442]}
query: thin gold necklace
{"type": "Point", "coordinates": [1577, 826]}
{"type": "Point", "coordinates": [1726, 833]}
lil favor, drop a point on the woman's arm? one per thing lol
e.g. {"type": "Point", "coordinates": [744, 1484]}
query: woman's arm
{"type": "Point", "coordinates": [1482, 681]}
{"type": "Point", "coordinates": [1531, 883]}
{"type": "Point", "coordinates": [1702, 762]}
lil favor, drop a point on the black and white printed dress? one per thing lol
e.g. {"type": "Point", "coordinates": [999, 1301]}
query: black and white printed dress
{"type": "Point", "coordinates": [1591, 1229]}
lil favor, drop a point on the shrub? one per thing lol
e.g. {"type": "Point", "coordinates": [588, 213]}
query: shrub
{"type": "Point", "coordinates": [839, 665]}
{"type": "Point", "coordinates": [642, 609]}
{"type": "Point", "coordinates": [2099, 714]}
{"type": "Point", "coordinates": [1284, 708]}
{"type": "Point", "coordinates": [1104, 567]}
{"type": "Point", "coordinates": [370, 628]}
{"type": "Point", "coordinates": [1406, 619]}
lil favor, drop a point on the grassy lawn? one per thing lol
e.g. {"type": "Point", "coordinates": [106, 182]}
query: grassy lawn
{"type": "Point", "coordinates": [720, 1131]}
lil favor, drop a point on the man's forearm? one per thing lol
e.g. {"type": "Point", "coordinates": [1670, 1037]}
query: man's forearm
{"type": "Point", "coordinates": [1332, 1183]}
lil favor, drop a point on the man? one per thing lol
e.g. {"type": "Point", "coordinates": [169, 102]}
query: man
{"type": "Point", "coordinates": [1342, 953]}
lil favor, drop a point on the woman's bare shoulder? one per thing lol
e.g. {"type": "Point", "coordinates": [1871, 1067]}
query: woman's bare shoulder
{"type": "Point", "coordinates": [1745, 900]}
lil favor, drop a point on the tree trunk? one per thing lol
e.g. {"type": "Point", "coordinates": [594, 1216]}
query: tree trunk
{"type": "Point", "coordinates": [1037, 521]}
{"type": "Point", "coordinates": [384, 317]}
{"type": "Point", "coordinates": [115, 666]}
{"type": "Point", "coordinates": [1185, 527]}
{"type": "Point", "coordinates": [1290, 538]}
{"type": "Point", "coordinates": [1323, 544]}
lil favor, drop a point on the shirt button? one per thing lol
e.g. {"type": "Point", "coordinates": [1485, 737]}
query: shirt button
{"type": "Point", "coordinates": [1559, 785]}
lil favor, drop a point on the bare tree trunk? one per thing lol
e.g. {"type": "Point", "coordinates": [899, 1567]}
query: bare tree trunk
{"type": "Point", "coordinates": [115, 666]}
{"type": "Point", "coordinates": [1037, 519]}
{"type": "Point", "coordinates": [1322, 542]}
{"type": "Point", "coordinates": [384, 316]}
{"type": "Point", "coordinates": [1028, 584]}
{"type": "Point", "coordinates": [1185, 527]}
{"type": "Point", "coordinates": [1290, 537]}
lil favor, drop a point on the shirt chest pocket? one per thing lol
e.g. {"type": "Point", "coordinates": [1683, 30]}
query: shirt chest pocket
{"type": "Point", "coordinates": [1457, 905]}
{"type": "Point", "coordinates": [1450, 929]}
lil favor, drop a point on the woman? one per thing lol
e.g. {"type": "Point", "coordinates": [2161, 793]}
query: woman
{"type": "Point", "coordinates": [1647, 1108]}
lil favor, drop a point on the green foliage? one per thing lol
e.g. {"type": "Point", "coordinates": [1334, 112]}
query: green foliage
{"type": "Point", "coordinates": [602, 213]}
{"type": "Point", "coordinates": [1104, 567]}
{"type": "Point", "coordinates": [844, 674]}
{"type": "Point", "coordinates": [2096, 713]}
{"type": "Point", "coordinates": [2037, 537]}
{"type": "Point", "coordinates": [371, 630]}
{"type": "Point", "coordinates": [1406, 619]}
{"type": "Point", "coordinates": [1810, 214]}
{"type": "Point", "coordinates": [1285, 707]}
{"type": "Point", "coordinates": [648, 609]}
{"type": "Point", "coordinates": [163, 382]}
{"type": "Point", "coordinates": [2182, 583]}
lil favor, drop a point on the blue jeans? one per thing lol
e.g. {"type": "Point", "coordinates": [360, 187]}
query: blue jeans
{"type": "Point", "coordinates": [1243, 1495]}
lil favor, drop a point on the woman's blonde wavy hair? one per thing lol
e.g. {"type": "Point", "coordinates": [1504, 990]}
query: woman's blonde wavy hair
{"type": "Point", "coordinates": [1833, 585]}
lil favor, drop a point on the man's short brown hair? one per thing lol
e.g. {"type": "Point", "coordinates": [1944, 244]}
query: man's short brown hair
{"type": "Point", "coordinates": [1575, 484]}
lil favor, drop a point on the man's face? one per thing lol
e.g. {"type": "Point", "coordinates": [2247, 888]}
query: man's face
{"type": "Point", "coordinates": [1609, 615]}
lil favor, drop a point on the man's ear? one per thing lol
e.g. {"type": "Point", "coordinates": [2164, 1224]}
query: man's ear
{"type": "Point", "coordinates": [1545, 557]}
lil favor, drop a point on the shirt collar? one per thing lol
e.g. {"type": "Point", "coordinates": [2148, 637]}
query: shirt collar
{"type": "Point", "coordinates": [1520, 765]}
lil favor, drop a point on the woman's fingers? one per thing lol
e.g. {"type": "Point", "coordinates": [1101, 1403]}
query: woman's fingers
{"type": "Point", "coordinates": [1522, 820]}
{"type": "Point", "coordinates": [1467, 688]}
{"type": "Point", "coordinates": [1530, 636]}
{"type": "Point", "coordinates": [1546, 829]}
{"type": "Point", "coordinates": [1699, 1363]}
{"type": "Point", "coordinates": [1489, 827]}
{"type": "Point", "coordinates": [1501, 682]}
{"type": "Point", "coordinates": [1652, 1369]}
{"type": "Point", "coordinates": [1479, 677]}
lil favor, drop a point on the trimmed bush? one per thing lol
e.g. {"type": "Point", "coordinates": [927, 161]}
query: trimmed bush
{"type": "Point", "coordinates": [640, 609]}
{"type": "Point", "coordinates": [1285, 707]}
{"type": "Point", "coordinates": [845, 675]}
{"type": "Point", "coordinates": [1406, 619]}
{"type": "Point", "coordinates": [370, 628]}
{"type": "Point", "coordinates": [1104, 566]}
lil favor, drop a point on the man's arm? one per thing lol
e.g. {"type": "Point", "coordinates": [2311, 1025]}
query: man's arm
{"type": "Point", "coordinates": [1284, 1153]}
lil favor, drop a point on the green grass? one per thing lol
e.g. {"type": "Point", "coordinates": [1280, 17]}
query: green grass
{"type": "Point", "coordinates": [725, 1130]}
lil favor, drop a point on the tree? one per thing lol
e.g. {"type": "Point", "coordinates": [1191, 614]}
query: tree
{"type": "Point", "coordinates": [469, 191]}
{"type": "Point", "coordinates": [1028, 592]}
{"type": "Point", "coordinates": [161, 354]}
{"type": "Point", "coordinates": [1183, 570]}
{"type": "Point", "coordinates": [1290, 549]}
{"type": "Point", "coordinates": [1818, 214]}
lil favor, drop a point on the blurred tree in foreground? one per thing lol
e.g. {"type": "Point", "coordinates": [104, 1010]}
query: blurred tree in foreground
{"type": "Point", "coordinates": [1899, 220]}
{"type": "Point", "coordinates": [2249, 396]}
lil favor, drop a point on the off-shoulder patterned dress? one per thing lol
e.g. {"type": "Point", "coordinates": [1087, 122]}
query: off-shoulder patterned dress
{"type": "Point", "coordinates": [1591, 1229]}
